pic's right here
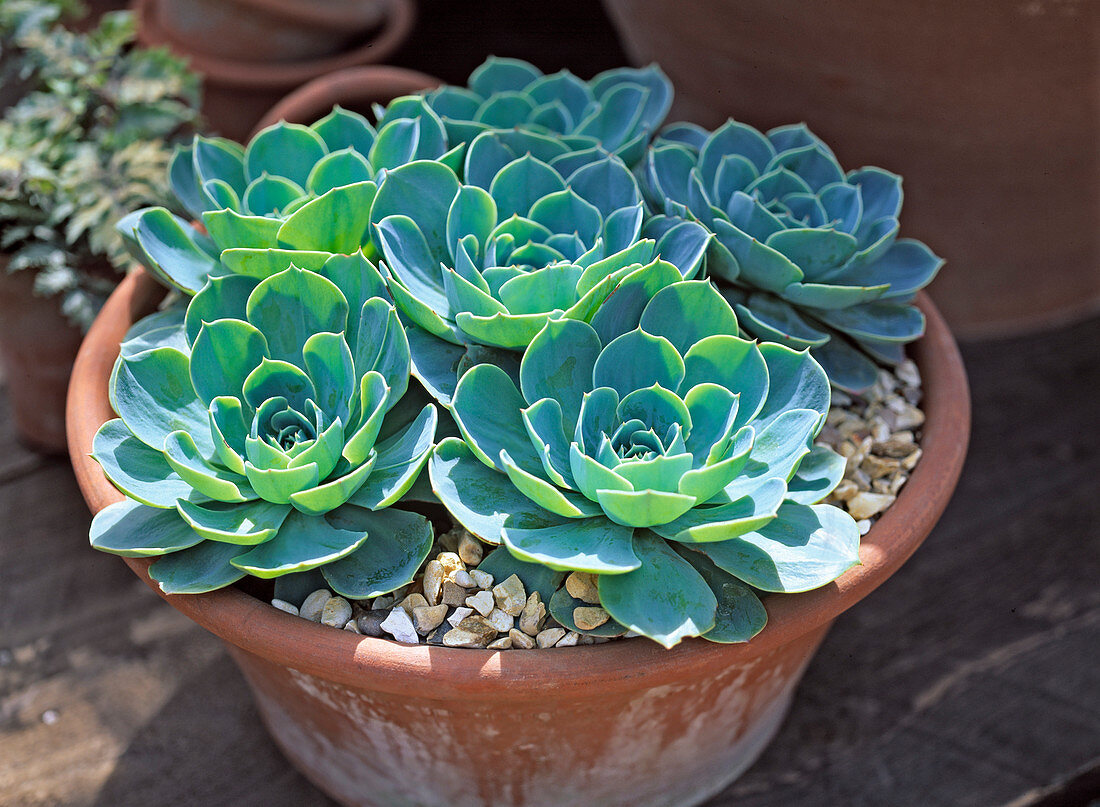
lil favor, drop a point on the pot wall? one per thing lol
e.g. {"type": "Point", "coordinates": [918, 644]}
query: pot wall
{"type": "Point", "coordinates": [237, 90]}
{"type": "Point", "coordinates": [991, 112]}
{"type": "Point", "coordinates": [263, 30]}
{"type": "Point", "coordinates": [658, 743]}
{"type": "Point", "coordinates": [675, 725]}
{"type": "Point", "coordinates": [37, 348]}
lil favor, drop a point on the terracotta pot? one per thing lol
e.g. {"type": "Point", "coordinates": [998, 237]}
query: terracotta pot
{"type": "Point", "coordinates": [237, 91]}
{"type": "Point", "coordinates": [354, 88]}
{"type": "Point", "coordinates": [37, 349]}
{"type": "Point", "coordinates": [269, 30]}
{"type": "Point", "coordinates": [375, 723]}
{"type": "Point", "coordinates": [979, 105]}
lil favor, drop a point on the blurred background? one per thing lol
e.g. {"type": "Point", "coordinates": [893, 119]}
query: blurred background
{"type": "Point", "coordinates": [969, 678]}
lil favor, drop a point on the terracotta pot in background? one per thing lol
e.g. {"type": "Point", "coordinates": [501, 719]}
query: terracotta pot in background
{"type": "Point", "coordinates": [375, 723]}
{"type": "Point", "coordinates": [354, 88]}
{"type": "Point", "coordinates": [37, 349]}
{"type": "Point", "coordinates": [991, 112]}
{"type": "Point", "coordinates": [237, 91]}
{"type": "Point", "coordinates": [269, 30]}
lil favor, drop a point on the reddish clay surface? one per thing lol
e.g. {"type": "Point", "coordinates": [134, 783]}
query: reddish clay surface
{"type": "Point", "coordinates": [37, 349]}
{"type": "Point", "coordinates": [237, 92]}
{"type": "Point", "coordinates": [376, 723]}
{"type": "Point", "coordinates": [270, 30]}
{"type": "Point", "coordinates": [991, 112]}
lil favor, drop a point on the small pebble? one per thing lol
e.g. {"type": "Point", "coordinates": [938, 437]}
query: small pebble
{"type": "Point", "coordinates": [449, 540]}
{"type": "Point", "coordinates": [569, 640]}
{"type": "Point", "coordinates": [520, 640]}
{"type": "Point", "coordinates": [463, 578]}
{"type": "Point", "coordinates": [427, 618]}
{"type": "Point", "coordinates": [482, 602]}
{"type": "Point", "coordinates": [453, 594]}
{"type": "Point", "coordinates": [865, 504]}
{"type": "Point", "coordinates": [910, 462]}
{"type": "Point", "coordinates": [473, 631]}
{"type": "Point", "coordinates": [383, 603]}
{"type": "Point", "coordinates": [582, 586]}
{"type": "Point", "coordinates": [314, 605]}
{"type": "Point", "coordinates": [907, 373]}
{"type": "Point", "coordinates": [433, 581]}
{"type": "Point", "coordinates": [482, 580]}
{"type": "Point", "coordinates": [353, 627]}
{"type": "Point", "coordinates": [283, 605]}
{"type": "Point", "coordinates": [412, 602]}
{"type": "Point", "coordinates": [50, 716]}
{"type": "Point", "coordinates": [500, 620]}
{"type": "Point", "coordinates": [590, 617]}
{"type": "Point", "coordinates": [370, 623]}
{"type": "Point", "coordinates": [459, 614]}
{"type": "Point", "coordinates": [399, 625]}
{"type": "Point", "coordinates": [510, 596]}
{"type": "Point", "coordinates": [437, 637]}
{"type": "Point", "coordinates": [549, 637]}
{"type": "Point", "coordinates": [864, 525]}
{"type": "Point", "coordinates": [503, 643]}
{"type": "Point", "coordinates": [469, 549]}
{"type": "Point", "coordinates": [451, 563]}
{"type": "Point", "coordinates": [533, 615]}
{"type": "Point", "coordinates": [336, 613]}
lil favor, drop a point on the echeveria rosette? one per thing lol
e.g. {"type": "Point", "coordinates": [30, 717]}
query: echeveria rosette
{"type": "Point", "coordinates": [303, 188]}
{"type": "Point", "coordinates": [268, 431]}
{"type": "Point", "coordinates": [488, 264]}
{"type": "Point", "coordinates": [662, 452]}
{"type": "Point", "coordinates": [618, 110]}
{"type": "Point", "coordinates": [812, 251]}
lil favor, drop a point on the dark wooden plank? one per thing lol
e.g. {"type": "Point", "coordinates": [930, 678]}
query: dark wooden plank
{"type": "Point", "coordinates": [970, 677]}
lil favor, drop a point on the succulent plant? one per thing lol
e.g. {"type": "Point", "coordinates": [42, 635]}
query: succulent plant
{"type": "Point", "coordinates": [617, 110]}
{"type": "Point", "coordinates": [812, 252]}
{"type": "Point", "coordinates": [488, 263]}
{"type": "Point", "coordinates": [266, 430]}
{"type": "Point", "coordinates": [662, 452]}
{"type": "Point", "coordinates": [308, 189]}
{"type": "Point", "coordinates": [88, 140]}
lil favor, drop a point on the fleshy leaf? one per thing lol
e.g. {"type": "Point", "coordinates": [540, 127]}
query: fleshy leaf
{"type": "Point", "coordinates": [664, 599]}
{"type": "Point", "coordinates": [397, 543]}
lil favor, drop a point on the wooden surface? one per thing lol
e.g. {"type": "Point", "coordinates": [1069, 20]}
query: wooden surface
{"type": "Point", "coordinates": [970, 678]}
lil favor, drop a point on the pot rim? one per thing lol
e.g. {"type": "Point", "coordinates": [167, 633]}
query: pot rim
{"type": "Point", "coordinates": [396, 26]}
{"type": "Point", "coordinates": [346, 658]}
{"type": "Point", "coordinates": [316, 98]}
{"type": "Point", "coordinates": [340, 16]}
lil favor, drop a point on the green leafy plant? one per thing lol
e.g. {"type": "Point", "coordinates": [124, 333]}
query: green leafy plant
{"type": "Point", "coordinates": [660, 451]}
{"type": "Point", "coordinates": [88, 142]}
{"type": "Point", "coordinates": [265, 430]}
{"type": "Point", "coordinates": [308, 189]}
{"type": "Point", "coordinates": [811, 252]}
{"type": "Point", "coordinates": [618, 110]}
{"type": "Point", "coordinates": [488, 263]}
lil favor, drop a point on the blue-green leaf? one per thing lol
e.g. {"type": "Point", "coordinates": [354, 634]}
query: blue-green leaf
{"type": "Point", "coordinates": [303, 542]}
{"type": "Point", "coordinates": [142, 473]}
{"type": "Point", "coordinates": [136, 530]}
{"type": "Point", "coordinates": [202, 568]}
{"type": "Point", "coordinates": [664, 598]}
{"type": "Point", "coordinates": [397, 543]}
{"type": "Point", "coordinates": [803, 548]}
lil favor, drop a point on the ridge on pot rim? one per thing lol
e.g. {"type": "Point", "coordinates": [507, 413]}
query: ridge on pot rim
{"type": "Point", "coordinates": [259, 629]}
